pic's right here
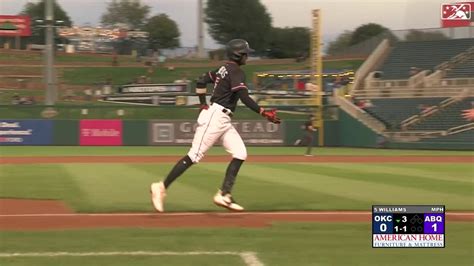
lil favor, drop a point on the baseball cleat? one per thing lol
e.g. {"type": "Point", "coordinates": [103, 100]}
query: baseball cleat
{"type": "Point", "coordinates": [158, 194]}
{"type": "Point", "coordinates": [227, 202]}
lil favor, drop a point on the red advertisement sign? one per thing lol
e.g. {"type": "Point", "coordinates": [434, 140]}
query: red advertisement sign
{"type": "Point", "coordinates": [457, 15]}
{"type": "Point", "coordinates": [100, 133]}
{"type": "Point", "coordinates": [15, 26]}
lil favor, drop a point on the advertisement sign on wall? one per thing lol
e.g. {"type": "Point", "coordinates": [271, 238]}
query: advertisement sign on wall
{"type": "Point", "coordinates": [100, 132]}
{"type": "Point", "coordinates": [26, 132]}
{"type": "Point", "coordinates": [15, 26]}
{"type": "Point", "coordinates": [253, 132]}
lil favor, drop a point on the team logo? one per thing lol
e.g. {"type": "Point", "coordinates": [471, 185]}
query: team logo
{"type": "Point", "coordinates": [456, 11]}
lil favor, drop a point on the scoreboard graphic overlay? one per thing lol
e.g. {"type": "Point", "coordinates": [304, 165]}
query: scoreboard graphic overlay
{"type": "Point", "coordinates": [408, 226]}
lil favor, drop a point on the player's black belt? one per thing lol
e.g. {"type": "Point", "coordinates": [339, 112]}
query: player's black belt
{"type": "Point", "coordinates": [224, 110]}
{"type": "Point", "coordinates": [227, 112]}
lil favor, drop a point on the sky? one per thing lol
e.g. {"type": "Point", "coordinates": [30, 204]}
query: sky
{"type": "Point", "coordinates": [337, 15]}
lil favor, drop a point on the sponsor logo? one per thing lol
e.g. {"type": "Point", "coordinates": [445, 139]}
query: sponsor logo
{"type": "Point", "coordinates": [456, 11]}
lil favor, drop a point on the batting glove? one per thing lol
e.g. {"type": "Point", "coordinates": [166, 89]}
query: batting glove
{"type": "Point", "coordinates": [270, 115]}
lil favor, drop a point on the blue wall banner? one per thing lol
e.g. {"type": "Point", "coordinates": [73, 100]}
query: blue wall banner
{"type": "Point", "coordinates": [26, 132]}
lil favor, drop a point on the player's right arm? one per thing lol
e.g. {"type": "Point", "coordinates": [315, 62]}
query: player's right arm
{"type": "Point", "coordinates": [201, 86]}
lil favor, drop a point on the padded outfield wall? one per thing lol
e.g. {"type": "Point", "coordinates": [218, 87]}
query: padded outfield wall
{"type": "Point", "coordinates": [346, 131]}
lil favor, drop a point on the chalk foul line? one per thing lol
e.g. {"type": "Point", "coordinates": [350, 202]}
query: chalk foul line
{"type": "Point", "coordinates": [249, 258]}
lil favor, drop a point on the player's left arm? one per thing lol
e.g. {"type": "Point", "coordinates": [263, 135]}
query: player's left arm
{"type": "Point", "coordinates": [201, 86]}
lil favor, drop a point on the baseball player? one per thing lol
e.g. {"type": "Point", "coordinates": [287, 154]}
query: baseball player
{"type": "Point", "coordinates": [308, 135]}
{"type": "Point", "coordinates": [214, 124]}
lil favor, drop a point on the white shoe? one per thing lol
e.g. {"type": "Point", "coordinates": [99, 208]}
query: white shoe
{"type": "Point", "coordinates": [227, 202]}
{"type": "Point", "coordinates": [158, 194]}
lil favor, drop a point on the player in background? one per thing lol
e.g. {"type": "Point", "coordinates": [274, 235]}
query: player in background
{"type": "Point", "coordinates": [308, 135]}
{"type": "Point", "coordinates": [214, 124]}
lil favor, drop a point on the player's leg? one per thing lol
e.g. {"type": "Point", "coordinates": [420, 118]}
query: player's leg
{"type": "Point", "coordinates": [233, 144]}
{"type": "Point", "coordinates": [209, 131]}
{"type": "Point", "coordinates": [310, 144]}
{"type": "Point", "coordinates": [205, 136]}
{"type": "Point", "coordinates": [158, 190]}
{"type": "Point", "coordinates": [184, 163]}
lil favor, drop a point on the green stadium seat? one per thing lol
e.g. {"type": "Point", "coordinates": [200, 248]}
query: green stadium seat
{"type": "Point", "coordinates": [425, 55]}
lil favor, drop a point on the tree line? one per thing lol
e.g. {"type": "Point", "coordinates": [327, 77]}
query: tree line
{"type": "Point", "coordinates": [226, 20]}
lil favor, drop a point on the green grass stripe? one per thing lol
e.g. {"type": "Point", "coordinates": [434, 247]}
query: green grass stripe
{"type": "Point", "coordinates": [458, 172]}
{"type": "Point", "coordinates": [37, 182]}
{"type": "Point", "coordinates": [283, 244]}
{"type": "Point", "coordinates": [257, 194]}
{"type": "Point", "coordinates": [199, 260]}
{"type": "Point", "coordinates": [192, 191]}
{"type": "Point", "coordinates": [111, 187]}
{"type": "Point", "coordinates": [314, 178]}
{"type": "Point", "coordinates": [125, 187]}
{"type": "Point", "coordinates": [395, 177]}
{"type": "Point", "coordinates": [182, 150]}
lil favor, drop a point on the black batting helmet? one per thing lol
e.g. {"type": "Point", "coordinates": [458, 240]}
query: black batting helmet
{"type": "Point", "coordinates": [237, 48]}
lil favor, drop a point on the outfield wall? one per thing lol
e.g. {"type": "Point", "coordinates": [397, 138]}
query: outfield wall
{"type": "Point", "coordinates": [160, 132]}
{"type": "Point", "coordinates": [346, 131]}
{"type": "Point", "coordinates": [116, 132]}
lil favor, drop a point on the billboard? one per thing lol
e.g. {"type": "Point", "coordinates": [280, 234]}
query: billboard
{"type": "Point", "coordinates": [26, 132]}
{"type": "Point", "coordinates": [100, 132]}
{"type": "Point", "coordinates": [154, 88]}
{"type": "Point", "coordinates": [181, 132]}
{"type": "Point", "coordinates": [15, 26]}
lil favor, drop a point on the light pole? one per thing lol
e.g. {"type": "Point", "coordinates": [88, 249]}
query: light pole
{"type": "Point", "coordinates": [50, 78]}
{"type": "Point", "coordinates": [200, 30]}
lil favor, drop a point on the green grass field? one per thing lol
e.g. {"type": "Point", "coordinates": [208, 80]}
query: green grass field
{"type": "Point", "coordinates": [281, 244]}
{"type": "Point", "coordinates": [260, 186]}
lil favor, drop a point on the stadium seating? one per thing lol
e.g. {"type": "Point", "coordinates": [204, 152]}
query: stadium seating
{"type": "Point", "coordinates": [392, 111]}
{"type": "Point", "coordinates": [446, 118]}
{"type": "Point", "coordinates": [424, 55]}
{"type": "Point", "coordinates": [463, 70]}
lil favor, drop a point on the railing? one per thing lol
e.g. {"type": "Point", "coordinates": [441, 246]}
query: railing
{"type": "Point", "coordinates": [454, 82]}
{"type": "Point", "coordinates": [461, 128]}
{"type": "Point", "coordinates": [412, 136]}
{"type": "Point", "coordinates": [389, 83]}
{"type": "Point", "coordinates": [401, 89]}
{"type": "Point", "coordinates": [456, 59]}
{"type": "Point", "coordinates": [360, 114]}
{"type": "Point", "coordinates": [415, 119]}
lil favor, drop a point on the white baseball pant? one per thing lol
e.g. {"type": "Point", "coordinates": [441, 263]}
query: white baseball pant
{"type": "Point", "coordinates": [215, 124]}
